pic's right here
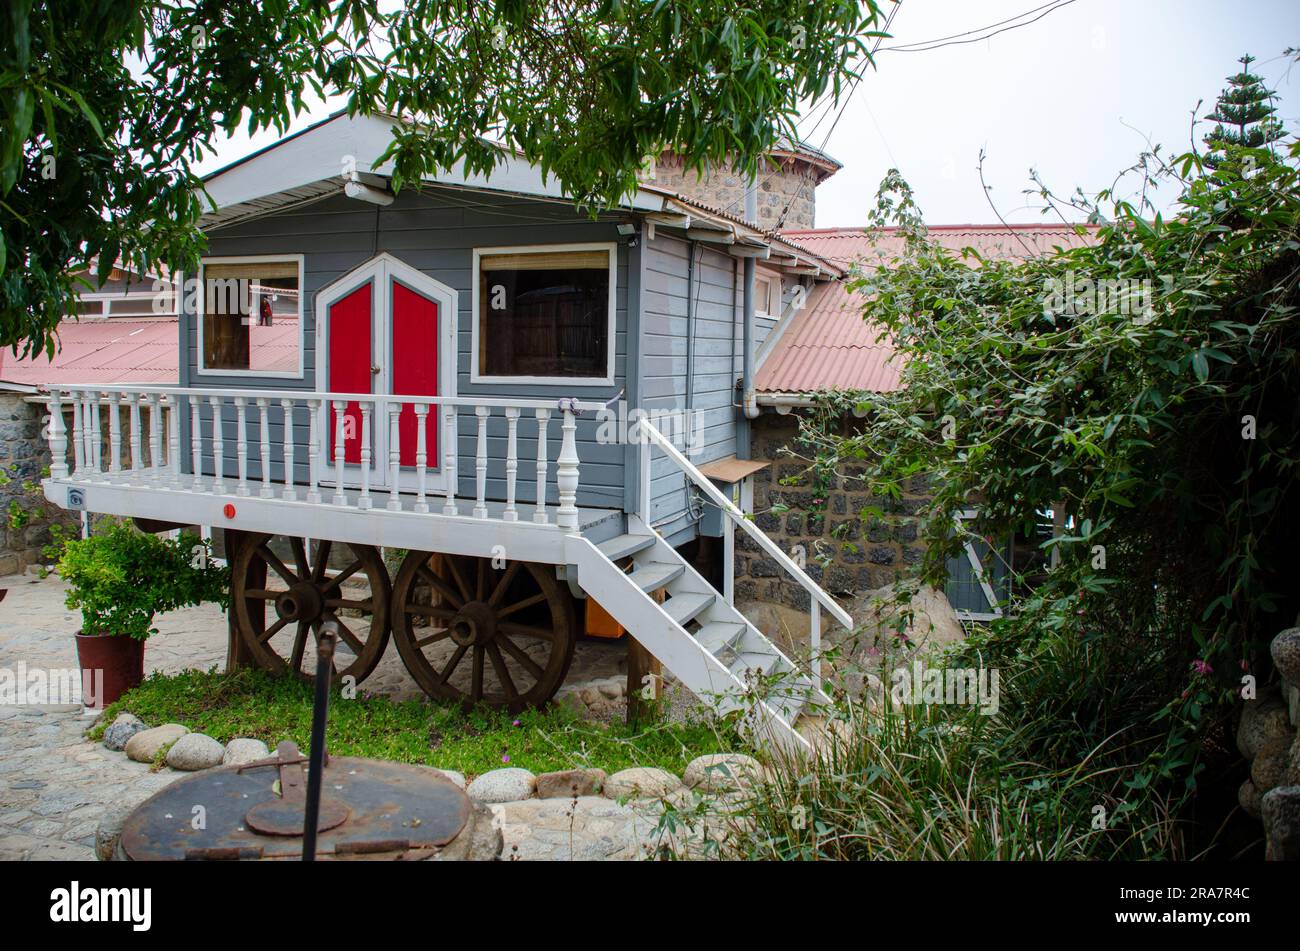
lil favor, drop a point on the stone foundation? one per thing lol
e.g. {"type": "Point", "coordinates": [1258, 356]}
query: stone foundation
{"type": "Point", "coordinates": [25, 516]}
{"type": "Point", "coordinates": [842, 550]}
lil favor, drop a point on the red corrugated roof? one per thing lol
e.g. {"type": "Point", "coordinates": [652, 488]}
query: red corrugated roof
{"type": "Point", "coordinates": [111, 350]}
{"type": "Point", "coordinates": [829, 346]}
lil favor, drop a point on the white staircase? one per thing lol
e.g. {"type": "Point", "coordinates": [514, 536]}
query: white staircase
{"type": "Point", "coordinates": [706, 643]}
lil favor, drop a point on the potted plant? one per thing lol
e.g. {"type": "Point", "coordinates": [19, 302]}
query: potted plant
{"type": "Point", "coordinates": [119, 579]}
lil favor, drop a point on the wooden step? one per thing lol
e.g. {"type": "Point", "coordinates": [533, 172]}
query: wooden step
{"type": "Point", "coordinates": [625, 545]}
{"type": "Point", "coordinates": [687, 605]}
{"type": "Point", "coordinates": [718, 635]}
{"type": "Point", "coordinates": [790, 695]}
{"type": "Point", "coordinates": [764, 663]}
{"type": "Point", "coordinates": [653, 575]}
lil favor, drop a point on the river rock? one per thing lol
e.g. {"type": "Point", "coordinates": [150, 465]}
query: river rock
{"type": "Point", "coordinates": [195, 751]}
{"type": "Point", "coordinates": [455, 777]}
{"type": "Point", "coordinates": [570, 782]}
{"type": "Point", "coordinates": [122, 729]}
{"type": "Point", "coordinates": [243, 749]}
{"type": "Point", "coordinates": [722, 772]}
{"type": "Point", "coordinates": [1248, 798]}
{"type": "Point", "coordinates": [1262, 721]}
{"type": "Point", "coordinates": [479, 841]}
{"type": "Point", "coordinates": [641, 782]}
{"type": "Point", "coordinates": [1280, 809]}
{"type": "Point", "coordinates": [1286, 654]}
{"type": "Point", "coordinates": [145, 745]}
{"type": "Point", "coordinates": [503, 785]}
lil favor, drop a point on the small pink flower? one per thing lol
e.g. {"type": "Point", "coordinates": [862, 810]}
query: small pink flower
{"type": "Point", "coordinates": [1202, 668]}
{"type": "Point", "coordinates": [516, 723]}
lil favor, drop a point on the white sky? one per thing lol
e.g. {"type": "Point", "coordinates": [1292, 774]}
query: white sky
{"type": "Point", "coordinates": [1075, 95]}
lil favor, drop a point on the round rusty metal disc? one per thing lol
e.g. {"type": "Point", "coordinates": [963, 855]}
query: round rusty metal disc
{"type": "Point", "coordinates": [391, 807]}
{"type": "Point", "coordinates": [278, 817]}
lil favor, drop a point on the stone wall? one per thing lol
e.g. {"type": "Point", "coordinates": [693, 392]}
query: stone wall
{"type": "Point", "coordinates": [794, 184]}
{"type": "Point", "coordinates": [846, 552]}
{"type": "Point", "coordinates": [25, 516]}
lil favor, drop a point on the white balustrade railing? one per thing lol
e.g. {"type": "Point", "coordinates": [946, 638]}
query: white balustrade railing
{"type": "Point", "coordinates": [255, 413]}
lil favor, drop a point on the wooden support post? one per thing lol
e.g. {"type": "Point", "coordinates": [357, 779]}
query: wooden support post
{"type": "Point", "coordinates": [237, 652]}
{"type": "Point", "coordinates": [645, 675]}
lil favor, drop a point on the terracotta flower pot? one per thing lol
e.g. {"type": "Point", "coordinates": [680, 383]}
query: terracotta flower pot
{"type": "Point", "coordinates": [110, 666]}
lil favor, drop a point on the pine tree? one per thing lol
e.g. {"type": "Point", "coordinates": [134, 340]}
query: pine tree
{"type": "Point", "coordinates": [1244, 115]}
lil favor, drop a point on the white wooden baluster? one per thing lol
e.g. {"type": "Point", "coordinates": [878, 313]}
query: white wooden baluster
{"type": "Point", "coordinates": [512, 463]}
{"type": "Point", "coordinates": [394, 456]}
{"type": "Point", "coordinates": [155, 439]}
{"type": "Point", "coordinates": [543, 418]}
{"type": "Point", "coordinates": [133, 431]}
{"type": "Point", "coordinates": [480, 462]}
{"type": "Point", "coordinates": [268, 487]}
{"type": "Point", "coordinates": [421, 456]}
{"type": "Point", "coordinates": [196, 440]}
{"type": "Point", "coordinates": [566, 472]}
{"type": "Point", "coordinates": [174, 439]}
{"type": "Point", "coordinates": [78, 437]}
{"type": "Point", "coordinates": [58, 438]}
{"type": "Point", "coordinates": [83, 439]}
{"type": "Point", "coordinates": [815, 643]}
{"type": "Point", "coordinates": [313, 449]}
{"type": "Point", "coordinates": [241, 444]}
{"type": "Point", "coordinates": [290, 494]}
{"type": "Point", "coordinates": [114, 433]}
{"type": "Point", "coordinates": [218, 447]}
{"type": "Point", "coordinates": [363, 499]}
{"type": "Point", "coordinates": [340, 452]}
{"type": "Point", "coordinates": [97, 434]}
{"type": "Point", "coordinates": [449, 462]}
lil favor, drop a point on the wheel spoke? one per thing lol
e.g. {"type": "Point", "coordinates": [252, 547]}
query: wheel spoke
{"type": "Point", "coordinates": [476, 678]}
{"type": "Point", "coordinates": [503, 675]}
{"type": "Point", "coordinates": [342, 576]}
{"type": "Point", "coordinates": [262, 594]}
{"type": "Point", "coordinates": [273, 630]}
{"type": "Point", "coordinates": [520, 605]}
{"type": "Point", "coordinates": [433, 638]}
{"type": "Point", "coordinates": [513, 649]}
{"type": "Point", "coordinates": [353, 641]}
{"type": "Point", "coordinates": [451, 664]}
{"type": "Point", "coordinates": [499, 591]}
{"type": "Point", "coordinates": [456, 576]}
{"type": "Point", "coordinates": [322, 559]}
{"type": "Point", "coordinates": [431, 610]}
{"type": "Point", "coordinates": [299, 647]}
{"type": "Point", "coordinates": [442, 587]}
{"type": "Point", "coordinates": [527, 630]}
{"type": "Point", "coordinates": [280, 567]}
{"type": "Point", "coordinates": [300, 557]}
{"type": "Point", "coordinates": [367, 605]}
{"type": "Point", "coordinates": [481, 591]}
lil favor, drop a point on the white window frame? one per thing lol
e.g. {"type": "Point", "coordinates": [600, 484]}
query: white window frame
{"type": "Point", "coordinates": [763, 307]}
{"type": "Point", "coordinates": [201, 302]}
{"type": "Point", "coordinates": [476, 318]}
{"type": "Point", "coordinates": [977, 566]}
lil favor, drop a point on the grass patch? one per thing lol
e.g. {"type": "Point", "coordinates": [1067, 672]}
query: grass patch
{"type": "Point", "coordinates": [252, 703]}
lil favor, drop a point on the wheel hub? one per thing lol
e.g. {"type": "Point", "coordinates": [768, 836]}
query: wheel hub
{"type": "Point", "coordinates": [302, 602]}
{"type": "Point", "coordinates": [474, 624]}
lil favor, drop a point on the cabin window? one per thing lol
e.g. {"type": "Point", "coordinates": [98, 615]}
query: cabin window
{"type": "Point", "coordinates": [250, 316]}
{"type": "Point", "coordinates": [544, 314]}
{"type": "Point", "coordinates": [767, 296]}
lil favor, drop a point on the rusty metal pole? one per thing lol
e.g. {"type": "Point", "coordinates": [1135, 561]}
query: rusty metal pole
{"type": "Point", "coordinates": [325, 643]}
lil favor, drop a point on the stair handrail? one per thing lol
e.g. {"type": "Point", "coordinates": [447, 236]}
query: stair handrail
{"type": "Point", "coordinates": [715, 495]}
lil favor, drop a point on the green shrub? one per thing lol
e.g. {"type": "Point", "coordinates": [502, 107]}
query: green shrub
{"type": "Point", "coordinates": [119, 579]}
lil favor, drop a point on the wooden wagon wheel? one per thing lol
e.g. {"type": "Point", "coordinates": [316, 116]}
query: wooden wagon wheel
{"type": "Point", "coordinates": [279, 603]}
{"type": "Point", "coordinates": [473, 633]}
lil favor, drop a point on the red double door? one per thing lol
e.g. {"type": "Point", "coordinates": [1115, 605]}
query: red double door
{"type": "Point", "coordinates": [385, 333]}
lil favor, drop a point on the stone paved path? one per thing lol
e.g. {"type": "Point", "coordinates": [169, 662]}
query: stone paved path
{"type": "Point", "coordinates": [54, 784]}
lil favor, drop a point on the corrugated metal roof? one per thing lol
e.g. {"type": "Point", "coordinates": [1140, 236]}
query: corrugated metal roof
{"type": "Point", "coordinates": [111, 350]}
{"type": "Point", "coordinates": [829, 346]}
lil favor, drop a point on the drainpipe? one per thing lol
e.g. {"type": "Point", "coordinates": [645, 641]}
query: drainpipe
{"type": "Point", "coordinates": [690, 326]}
{"type": "Point", "coordinates": [748, 403]}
